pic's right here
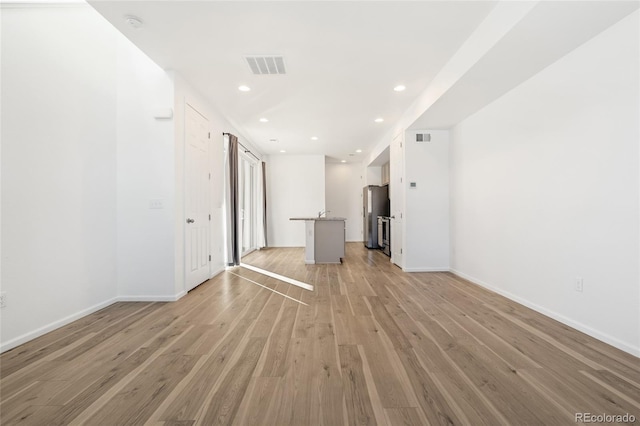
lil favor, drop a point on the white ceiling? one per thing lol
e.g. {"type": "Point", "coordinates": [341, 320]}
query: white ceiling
{"type": "Point", "coordinates": [343, 59]}
{"type": "Point", "coordinates": [549, 31]}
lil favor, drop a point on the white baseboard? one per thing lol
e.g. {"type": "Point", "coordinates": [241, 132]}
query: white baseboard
{"type": "Point", "coordinates": [147, 298]}
{"type": "Point", "coordinates": [67, 320]}
{"type": "Point", "coordinates": [428, 269]}
{"type": "Point", "coordinates": [633, 350]}
{"type": "Point", "coordinates": [83, 313]}
{"type": "Point", "coordinates": [54, 325]}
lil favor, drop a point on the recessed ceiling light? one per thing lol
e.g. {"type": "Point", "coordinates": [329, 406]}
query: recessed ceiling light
{"type": "Point", "coordinates": [133, 21]}
{"type": "Point", "coordinates": [343, 161]}
{"type": "Point", "coordinates": [264, 120]}
{"type": "Point", "coordinates": [379, 120]}
{"type": "Point", "coordinates": [283, 151]}
{"type": "Point", "coordinates": [244, 88]}
{"type": "Point", "coordinates": [399, 88]}
{"type": "Point", "coordinates": [314, 138]}
{"type": "Point", "coordinates": [358, 151]}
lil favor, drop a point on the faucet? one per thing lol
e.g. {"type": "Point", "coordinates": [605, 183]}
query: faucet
{"type": "Point", "coordinates": [323, 212]}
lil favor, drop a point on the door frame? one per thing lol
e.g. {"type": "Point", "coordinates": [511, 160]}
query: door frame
{"type": "Point", "coordinates": [254, 202]}
{"type": "Point", "coordinates": [397, 190]}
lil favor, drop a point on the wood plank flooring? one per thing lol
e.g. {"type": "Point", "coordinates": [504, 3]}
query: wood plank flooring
{"type": "Point", "coordinates": [373, 345]}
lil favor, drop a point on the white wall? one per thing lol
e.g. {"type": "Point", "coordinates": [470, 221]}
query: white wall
{"type": "Point", "coordinates": [58, 168]}
{"type": "Point", "coordinates": [545, 188]}
{"type": "Point", "coordinates": [426, 217]}
{"type": "Point", "coordinates": [145, 158]}
{"type": "Point", "coordinates": [343, 196]}
{"type": "Point", "coordinates": [295, 188]}
{"type": "Point", "coordinates": [83, 157]}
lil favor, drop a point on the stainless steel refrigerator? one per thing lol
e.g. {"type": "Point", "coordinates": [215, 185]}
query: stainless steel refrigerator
{"type": "Point", "coordinates": [375, 203]}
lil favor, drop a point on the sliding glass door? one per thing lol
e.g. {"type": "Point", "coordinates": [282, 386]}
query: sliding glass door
{"type": "Point", "coordinates": [248, 180]}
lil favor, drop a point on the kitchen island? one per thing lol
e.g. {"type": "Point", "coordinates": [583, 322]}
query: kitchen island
{"type": "Point", "coordinates": [324, 239]}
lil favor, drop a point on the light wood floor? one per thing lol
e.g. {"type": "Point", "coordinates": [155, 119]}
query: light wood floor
{"type": "Point", "coordinates": [372, 345]}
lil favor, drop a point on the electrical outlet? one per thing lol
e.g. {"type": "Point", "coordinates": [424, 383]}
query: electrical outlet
{"type": "Point", "coordinates": [579, 284]}
{"type": "Point", "coordinates": [3, 299]}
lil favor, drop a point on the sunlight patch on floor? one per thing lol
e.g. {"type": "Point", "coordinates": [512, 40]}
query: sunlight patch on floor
{"type": "Point", "coordinates": [270, 289]}
{"type": "Point", "coordinates": [278, 277]}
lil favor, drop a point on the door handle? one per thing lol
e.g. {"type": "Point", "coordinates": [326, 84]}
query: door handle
{"type": "Point", "coordinates": [189, 220]}
{"type": "Point", "coordinates": [393, 217]}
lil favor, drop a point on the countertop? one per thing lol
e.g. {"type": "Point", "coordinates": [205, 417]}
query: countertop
{"type": "Point", "coordinates": [317, 218]}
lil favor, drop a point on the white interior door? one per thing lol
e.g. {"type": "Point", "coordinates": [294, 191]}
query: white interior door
{"type": "Point", "coordinates": [197, 209]}
{"type": "Point", "coordinates": [396, 194]}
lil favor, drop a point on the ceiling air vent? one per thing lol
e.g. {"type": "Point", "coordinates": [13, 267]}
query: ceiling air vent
{"type": "Point", "coordinates": [423, 137]}
{"type": "Point", "coordinates": [266, 65]}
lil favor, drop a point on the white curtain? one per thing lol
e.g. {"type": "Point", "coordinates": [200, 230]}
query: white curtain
{"type": "Point", "coordinates": [232, 209]}
{"type": "Point", "coordinates": [261, 233]}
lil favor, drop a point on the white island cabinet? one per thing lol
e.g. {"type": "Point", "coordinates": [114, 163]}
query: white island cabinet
{"type": "Point", "coordinates": [324, 239]}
